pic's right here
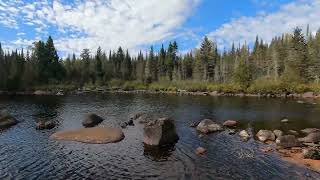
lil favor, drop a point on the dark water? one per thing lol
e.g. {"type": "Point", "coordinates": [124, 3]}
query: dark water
{"type": "Point", "coordinates": [26, 153]}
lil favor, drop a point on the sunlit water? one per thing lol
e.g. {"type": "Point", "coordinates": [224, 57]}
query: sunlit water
{"type": "Point", "coordinates": [26, 153]}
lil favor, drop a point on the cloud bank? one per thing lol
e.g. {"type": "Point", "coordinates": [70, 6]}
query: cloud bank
{"type": "Point", "coordinates": [245, 29]}
{"type": "Point", "coordinates": [92, 23]}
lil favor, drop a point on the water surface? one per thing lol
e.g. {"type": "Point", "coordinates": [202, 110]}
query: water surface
{"type": "Point", "coordinates": [26, 153]}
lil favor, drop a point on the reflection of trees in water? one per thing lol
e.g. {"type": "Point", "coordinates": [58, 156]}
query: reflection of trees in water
{"type": "Point", "coordinates": [158, 153]}
{"type": "Point", "coordinates": [47, 107]}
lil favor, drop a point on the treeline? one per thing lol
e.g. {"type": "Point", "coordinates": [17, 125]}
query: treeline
{"type": "Point", "coordinates": [290, 58]}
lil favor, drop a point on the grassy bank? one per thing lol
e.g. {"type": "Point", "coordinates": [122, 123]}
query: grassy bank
{"type": "Point", "coordinates": [256, 87]}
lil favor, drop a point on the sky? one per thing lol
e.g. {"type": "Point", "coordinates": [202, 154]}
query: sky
{"type": "Point", "coordinates": [138, 24]}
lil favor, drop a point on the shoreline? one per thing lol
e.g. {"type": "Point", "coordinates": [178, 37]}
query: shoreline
{"type": "Point", "coordinates": [306, 95]}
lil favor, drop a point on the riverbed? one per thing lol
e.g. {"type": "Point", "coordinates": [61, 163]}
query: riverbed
{"type": "Point", "coordinates": [27, 153]}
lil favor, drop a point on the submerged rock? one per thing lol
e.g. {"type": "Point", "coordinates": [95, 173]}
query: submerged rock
{"type": "Point", "coordinates": [230, 123]}
{"type": "Point", "coordinates": [264, 135]}
{"type": "Point", "coordinates": [311, 138]}
{"type": "Point", "coordinates": [128, 123]}
{"type": "Point", "coordinates": [311, 154]}
{"type": "Point", "coordinates": [43, 124]}
{"type": "Point", "coordinates": [92, 120]}
{"type": "Point", "coordinates": [287, 141]}
{"type": "Point", "coordinates": [278, 133]}
{"type": "Point", "coordinates": [285, 120]}
{"type": "Point", "coordinates": [6, 120]}
{"type": "Point", "coordinates": [160, 132]}
{"type": "Point", "coordinates": [208, 126]}
{"type": "Point", "coordinates": [200, 151]}
{"type": "Point", "coordinates": [96, 135]}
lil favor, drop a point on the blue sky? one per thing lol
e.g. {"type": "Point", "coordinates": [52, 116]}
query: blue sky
{"type": "Point", "coordinates": [138, 24]}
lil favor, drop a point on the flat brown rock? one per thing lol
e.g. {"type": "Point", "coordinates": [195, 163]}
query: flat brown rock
{"type": "Point", "coordinates": [96, 135]}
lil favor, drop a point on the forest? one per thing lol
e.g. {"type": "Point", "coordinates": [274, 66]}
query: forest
{"type": "Point", "coordinates": [289, 63]}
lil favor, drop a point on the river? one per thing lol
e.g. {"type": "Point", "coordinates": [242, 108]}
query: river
{"type": "Point", "coordinates": [26, 153]}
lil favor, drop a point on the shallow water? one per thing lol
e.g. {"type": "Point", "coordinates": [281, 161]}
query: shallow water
{"type": "Point", "coordinates": [26, 153]}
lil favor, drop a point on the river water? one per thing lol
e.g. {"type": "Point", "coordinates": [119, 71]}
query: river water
{"type": "Point", "coordinates": [26, 153]}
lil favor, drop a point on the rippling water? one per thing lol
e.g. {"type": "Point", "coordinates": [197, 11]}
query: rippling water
{"type": "Point", "coordinates": [26, 153]}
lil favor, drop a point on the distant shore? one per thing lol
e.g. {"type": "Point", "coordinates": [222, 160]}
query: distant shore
{"type": "Point", "coordinates": [306, 95]}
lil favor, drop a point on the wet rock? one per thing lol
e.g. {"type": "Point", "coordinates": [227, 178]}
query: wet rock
{"type": "Point", "coordinates": [266, 149]}
{"type": "Point", "coordinates": [194, 124]}
{"type": "Point", "coordinates": [285, 120]}
{"type": "Point", "coordinates": [6, 120]}
{"type": "Point", "coordinates": [300, 102]}
{"type": "Point", "coordinates": [278, 133]}
{"type": "Point", "coordinates": [311, 154]}
{"type": "Point", "coordinates": [293, 132]}
{"type": "Point", "coordinates": [232, 131]}
{"type": "Point", "coordinates": [310, 130]}
{"type": "Point", "coordinates": [264, 135]}
{"type": "Point", "coordinates": [123, 125]}
{"type": "Point", "coordinates": [230, 123]}
{"type": "Point", "coordinates": [92, 120]}
{"type": "Point", "coordinates": [311, 138]}
{"type": "Point", "coordinates": [60, 93]}
{"type": "Point", "coordinates": [287, 141]}
{"type": "Point", "coordinates": [96, 135]}
{"type": "Point", "coordinates": [308, 95]}
{"type": "Point", "coordinates": [208, 126]}
{"type": "Point", "coordinates": [138, 115]}
{"type": "Point", "coordinates": [200, 151]}
{"type": "Point", "coordinates": [42, 93]}
{"type": "Point", "coordinates": [45, 124]}
{"type": "Point", "coordinates": [128, 123]}
{"type": "Point", "coordinates": [244, 135]}
{"type": "Point", "coordinates": [160, 132]}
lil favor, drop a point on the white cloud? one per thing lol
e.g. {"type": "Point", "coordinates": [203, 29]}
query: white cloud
{"type": "Point", "coordinates": [93, 23]}
{"type": "Point", "coordinates": [299, 13]}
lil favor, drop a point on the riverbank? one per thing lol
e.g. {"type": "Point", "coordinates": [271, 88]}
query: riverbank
{"type": "Point", "coordinates": [306, 95]}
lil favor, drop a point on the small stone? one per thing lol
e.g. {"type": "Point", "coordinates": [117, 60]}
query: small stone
{"type": "Point", "coordinates": [244, 135]}
{"type": "Point", "coordinates": [311, 138]}
{"type": "Point", "coordinates": [230, 123]}
{"type": "Point", "coordinates": [278, 133]}
{"type": "Point", "coordinates": [264, 135]}
{"type": "Point", "coordinates": [232, 131]}
{"type": "Point", "coordinates": [208, 126]}
{"type": "Point", "coordinates": [285, 120]}
{"type": "Point", "coordinates": [293, 132]}
{"type": "Point", "coordinates": [266, 150]}
{"type": "Point", "coordinates": [200, 151]}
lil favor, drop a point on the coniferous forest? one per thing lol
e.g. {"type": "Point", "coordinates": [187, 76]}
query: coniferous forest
{"type": "Point", "coordinates": [290, 62]}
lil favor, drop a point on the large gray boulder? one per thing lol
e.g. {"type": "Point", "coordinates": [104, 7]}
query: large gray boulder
{"type": "Point", "coordinates": [92, 120]}
{"type": "Point", "coordinates": [265, 135]}
{"type": "Point", "coordinates": [311, 138]}
{"type": "Point", "coordinates": [160, 132]}
{"type": "Point", "coordinates": [6, 120]}
{"type": "Point", "coordinates": [287, 141]}
{"type": "Point", "coordinates": [208, 126]}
